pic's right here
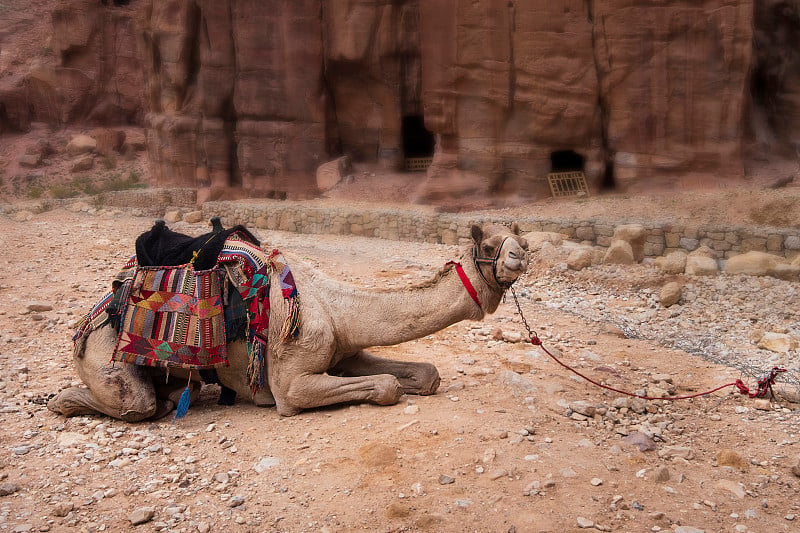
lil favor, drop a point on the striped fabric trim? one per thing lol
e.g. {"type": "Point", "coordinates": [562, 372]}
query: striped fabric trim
{"type": "Point", "coordinates": [94, 318]}
{"type": "Point", "coordinates": [250, 257]}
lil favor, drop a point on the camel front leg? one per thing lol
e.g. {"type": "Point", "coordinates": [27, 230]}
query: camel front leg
{"type": "Point", "coordinates": [415, 378]}
{"type": "Point", "coordinates": [118, 390]}
{"type": "Point", "coordinates": [307, 391]}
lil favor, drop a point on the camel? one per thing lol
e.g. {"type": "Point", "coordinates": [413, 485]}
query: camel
{"type": "Point", "coordinates": [328, 362]}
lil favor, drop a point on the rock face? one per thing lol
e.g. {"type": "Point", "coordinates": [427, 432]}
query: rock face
{"type": "Point", "coordinates": [235, 94]}
{"type": "Point", "coordinates": [254, 96]}
{"type": "Point", "coordinates": [96, 79]}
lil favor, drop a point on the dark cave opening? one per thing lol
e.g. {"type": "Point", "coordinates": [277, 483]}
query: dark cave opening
{"type": "Point", "coordinates": [417, 141]}
{"type": "Point", "coordinates": [566, 161]}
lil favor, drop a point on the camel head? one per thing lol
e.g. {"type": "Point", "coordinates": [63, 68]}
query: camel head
{"type": "Point", "coordinates": [499, 253]}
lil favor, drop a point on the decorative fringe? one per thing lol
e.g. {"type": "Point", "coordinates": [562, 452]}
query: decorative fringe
{"type": "Point", "coordinates": [256, 291]}
{"type": "Point", "coordinates": [257, 367]}
{"type": "Point", "coordinates": [291, 326]}
{"type": "Point", "coordinates": [183, 403]}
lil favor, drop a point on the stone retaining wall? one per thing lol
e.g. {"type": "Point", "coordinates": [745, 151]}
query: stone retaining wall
{"type": "Point", "coordinates": [418, 223]}
{"type": "Point", "coordinates": [148, 199]}
{"type": "Point", "coordinates": [415, 224]}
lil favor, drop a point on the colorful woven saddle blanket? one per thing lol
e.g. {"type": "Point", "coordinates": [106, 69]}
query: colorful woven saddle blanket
{"type": "Point", "coordinates": [176, 316]}
{"type": "Point", "coordinates": [173, 317]}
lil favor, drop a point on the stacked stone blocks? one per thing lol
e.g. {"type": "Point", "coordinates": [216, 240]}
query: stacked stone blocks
{"type": "Point", "coordinates": [421, 224]}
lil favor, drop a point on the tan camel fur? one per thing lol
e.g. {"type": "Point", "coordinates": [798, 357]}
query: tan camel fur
{"type": "Point", "coordinates": [327, 363]}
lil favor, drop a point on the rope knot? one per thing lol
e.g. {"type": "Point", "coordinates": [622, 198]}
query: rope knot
{"type": "Point", "coordinates": [764, 384]}
{"type": "Point", "coordinates": [535, 340]}
{"type": "Point", "coordinates": [743, 389]}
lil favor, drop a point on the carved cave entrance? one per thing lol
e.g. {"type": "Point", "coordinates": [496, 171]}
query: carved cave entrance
{"type": "Point", "coordinates": [566, 161]}
{"type": "Point", "coordinates": [566, 176]}
{"type": "Point", "coordinates": [418, 143]}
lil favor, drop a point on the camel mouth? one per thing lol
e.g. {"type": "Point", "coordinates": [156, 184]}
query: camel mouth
{"type": "Point", "coordinates": [515, 264]}
{"type": "Point", "coordinates": [519, 266]}
{"type": "Point", "coordinates": [511, 273]}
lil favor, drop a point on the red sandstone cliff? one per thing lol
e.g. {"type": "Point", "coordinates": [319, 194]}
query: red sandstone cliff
{"type": "Point", "coordinates": [254, 95]}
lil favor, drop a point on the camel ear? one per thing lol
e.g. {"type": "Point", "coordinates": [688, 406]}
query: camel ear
{"type": "Point", "coordinates": [477, 233]}
{"type": "Point", "coordinates": [515, 228]}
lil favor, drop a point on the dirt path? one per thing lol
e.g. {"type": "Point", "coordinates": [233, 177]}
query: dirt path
{"type": "Point", "coordinates": [510, 443]}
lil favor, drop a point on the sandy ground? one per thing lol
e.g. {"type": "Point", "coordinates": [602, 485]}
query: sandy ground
{"type": "Point", "coordinates": [503, 446]}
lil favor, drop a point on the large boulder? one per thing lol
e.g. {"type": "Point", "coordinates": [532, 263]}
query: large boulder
{"type": "Point", "coordinates": [753, 263]}
{"type": "Point", "coordinates": [331, 173]}
{"type": "Point", "coordinates": [580, 258]}
{"type": "Point", "coordinates": [633, 234]}
{"type": "Point", "coordinates": [777, 342]}
{"type": "Point", "coordinates": [81, 144]}
{"type": "Point", "coordinates": [701, 265]}
{"type": "Point", "coordinates": [619, 253]}
{"type": "Point", "coordinates": [670, 293]}
{"type": "Point", "coordinates": [82, 163]}
{"type": "Point", "coordinates": [786, 271]}
{"type": "Point", "coordinates": [537, 238]}
{"type": "Point", "coordinates": [29, 160]}
{"type": "Point", "coordinates": [672, 263]}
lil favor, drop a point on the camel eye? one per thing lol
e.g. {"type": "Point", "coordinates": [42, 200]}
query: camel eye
{"type": "Point", "coordinates": [488, 249]}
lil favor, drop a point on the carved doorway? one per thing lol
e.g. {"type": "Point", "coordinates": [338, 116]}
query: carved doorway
{"type": "Point", "coordinates": [418, 143]}
{"type": "Point", "coordinates": [566, 176]}
{"type": "Point", "coordinates": [566, 161]}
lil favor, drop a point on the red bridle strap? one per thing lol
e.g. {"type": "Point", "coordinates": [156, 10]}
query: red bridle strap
{"type": "Point", "coordinates": [466, 282]}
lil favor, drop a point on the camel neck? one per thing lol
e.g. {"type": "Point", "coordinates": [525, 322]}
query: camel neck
{"type": "Point", "coordinates": [381, 318]}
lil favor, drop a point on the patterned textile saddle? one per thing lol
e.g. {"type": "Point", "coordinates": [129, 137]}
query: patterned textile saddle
{"type": "Point", "coordinates": [176, 316]}
{"type": "Point", "coordinates": [173, 317]}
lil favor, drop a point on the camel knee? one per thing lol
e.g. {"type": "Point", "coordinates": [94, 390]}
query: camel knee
{"type": "Point", "coordinates": [386, 390]}
{"type": "Point", "coordinates": [295, 398]}
{"type": "Point", "coordinates": [420, 378]}
{"type": "Point", "coordinates": [139, 409]}
{"type": "Point", "coordinates": [286, 409]}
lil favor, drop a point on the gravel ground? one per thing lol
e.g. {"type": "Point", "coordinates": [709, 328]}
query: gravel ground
{"type": "Point", "coordinates": [718, 318]}
{"type": "Point", "coordinates": [511, 442]}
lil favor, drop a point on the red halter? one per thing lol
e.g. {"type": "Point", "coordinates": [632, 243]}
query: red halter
{"type": "Point", "coordinates": [466, 282]}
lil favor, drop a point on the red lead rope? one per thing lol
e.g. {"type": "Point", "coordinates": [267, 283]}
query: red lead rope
{"type": "Point", "coordinates": [764, 384]}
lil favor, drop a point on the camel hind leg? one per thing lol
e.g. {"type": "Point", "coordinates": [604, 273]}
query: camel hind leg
{"type": "Point", "coordinates": [298, 387]}
{"type": "Point", "coordinates": [118, 390]}
{"type": "Point", "coordinates": [415, 378]}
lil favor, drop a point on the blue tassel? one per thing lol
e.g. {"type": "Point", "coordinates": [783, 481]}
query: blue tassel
{"type": "Point", "coordinates": [183, 403]}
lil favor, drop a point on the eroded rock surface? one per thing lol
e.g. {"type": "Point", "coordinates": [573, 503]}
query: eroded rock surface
{"type": "Point", "coordinates": [254, 96]}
